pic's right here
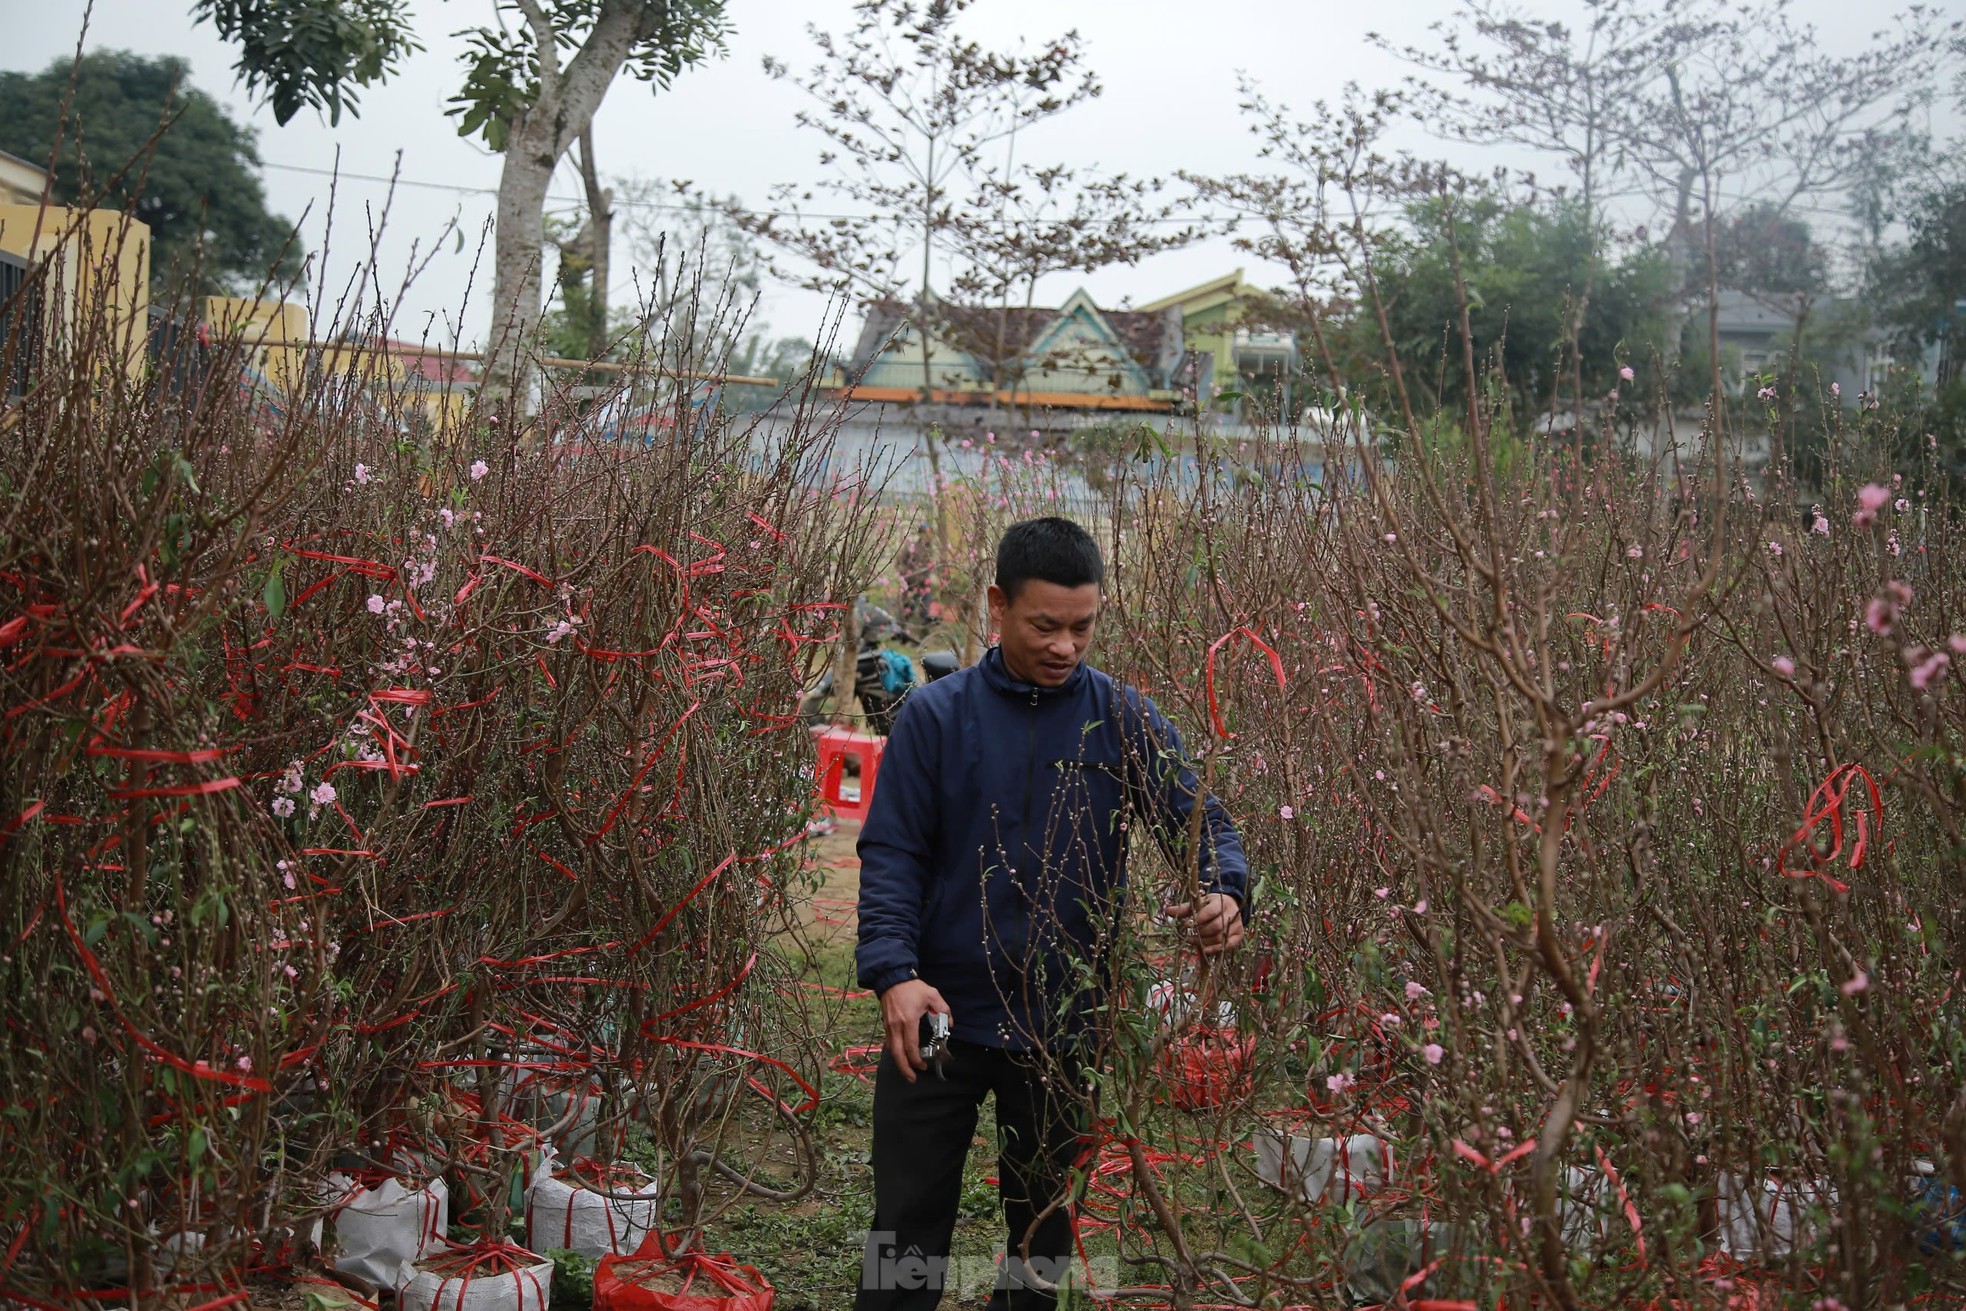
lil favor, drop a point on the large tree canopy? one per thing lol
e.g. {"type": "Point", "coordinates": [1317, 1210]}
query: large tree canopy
{"type": "Point", "coordinates": [198, 189]}
{"type": "Point", "coordinates": [1919, 285]}
{"type": "Point", "coordinates": [1523, 268]}
{"type": "Point", "coordinates": [534, 77]}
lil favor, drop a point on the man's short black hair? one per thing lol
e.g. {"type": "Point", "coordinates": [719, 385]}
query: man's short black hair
{"type": "Point", "coordinates": [1050, 549]}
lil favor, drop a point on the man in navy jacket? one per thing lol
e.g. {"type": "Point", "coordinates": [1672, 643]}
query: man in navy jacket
{"type": "Point", "coordinates": [992, 868]}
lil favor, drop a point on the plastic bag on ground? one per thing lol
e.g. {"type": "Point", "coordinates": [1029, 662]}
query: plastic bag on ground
{"type": "Point", "coordinates": [1322, 1168]}
{"type": "Point", "coordinates": [1175, 1004]}
{"type": "Point", "coordinates": [1771, 1221]}
{"type": "Point", "coordinates": [1938, 1211]}
{"type": "Point", "coordinates": [478, 1277]}
{"type": "Point", "coordinates": [563, 1104]}
{"type": "Point", "coordinates": [320, 1294]}
{"type": "Point", "coordinates": [1208, 1067]}
{"type": "Point", "coordinates": [380, 1231]}
{"type": "Point", "coordinates": [1385, 1255]}
{"type": "Point", "coordinates": [593, 1209]}
{"type": "Point", "coordinates": [652, 1280]}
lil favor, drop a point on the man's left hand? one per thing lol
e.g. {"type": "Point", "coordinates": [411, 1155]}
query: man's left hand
{"type": "Point", "coordinates": [1217, 922]}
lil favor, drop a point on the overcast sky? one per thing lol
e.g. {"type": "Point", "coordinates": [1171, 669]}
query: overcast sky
{"type": "Point", "coordinates": [1169, 69]}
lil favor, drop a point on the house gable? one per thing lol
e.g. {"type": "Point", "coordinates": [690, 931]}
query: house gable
{"type": "Point", "coordinates": [1212, 302]}
{"type": "Point", "coordinates": [899, 365]}
{"type": "Point", "coordinates": [1079, 351]}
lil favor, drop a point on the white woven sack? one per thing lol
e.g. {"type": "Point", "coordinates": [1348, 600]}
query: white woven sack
{"type": "Point", "coordinates": [563, 1213]}
{"type": "Point", "coordinates": [566, 1104]}
{"type": "Point", "coordinates": [1175, 1005]}
{"type": "Point", "coordinates": [1320, 1168]}
{"type": "Point", "coordinates": [176, 1250]}
{"type": "Point", "coordinates": [381, 1232]}
{"type": "Point", "coordinates": [1772, 1221]}
{"type": "Point", "coordinates": [525, 1289]}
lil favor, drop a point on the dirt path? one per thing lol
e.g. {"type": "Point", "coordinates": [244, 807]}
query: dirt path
{"type": "Point", "coordinates": [830, 913]}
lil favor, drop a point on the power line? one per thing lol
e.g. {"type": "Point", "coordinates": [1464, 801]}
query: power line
{"type": "Point", "coordinates": [654, 205]}
{"type": "Point", "coordinates": [1808, 206]}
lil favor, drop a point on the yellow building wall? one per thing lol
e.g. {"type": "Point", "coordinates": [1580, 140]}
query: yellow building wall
{"type": "Point", "coordinates": [21, 183]}
{"type": "Point", "coordinates": [277, 341]}
{"type": "Point", "coordinates": [98, 272]}
{"type": "Point", "coordinates": [1210, 314]}
{"type": "Point", "coordinates": [272, 333]}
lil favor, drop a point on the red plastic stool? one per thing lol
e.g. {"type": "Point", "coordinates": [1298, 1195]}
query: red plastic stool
{"type": "Point", "coordinates": [835, 745]}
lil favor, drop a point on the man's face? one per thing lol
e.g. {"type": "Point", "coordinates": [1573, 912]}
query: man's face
{"type": "Point", "coordinates": [1045, 629]}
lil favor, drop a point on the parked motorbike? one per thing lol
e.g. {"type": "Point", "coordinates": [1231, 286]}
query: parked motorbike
{"type": "Point", "coordinates": [882, 676]}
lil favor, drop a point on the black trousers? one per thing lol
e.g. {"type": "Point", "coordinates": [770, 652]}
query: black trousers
{"type": "Point", "coordinates": [922, 1134]}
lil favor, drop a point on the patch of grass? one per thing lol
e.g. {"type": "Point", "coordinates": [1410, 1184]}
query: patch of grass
{"type": "Point", "coordinates": [573, 1280]}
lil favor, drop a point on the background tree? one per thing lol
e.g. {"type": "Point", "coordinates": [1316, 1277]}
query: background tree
{"type": "Point", "coordinates": [1919, 284]}
{"type": "Point", "coordinates": [1524, 270]}
{"type": "Point", "coordinates": [1680, 113]}
{"type": "Point", "coordinates": [907, 105]}
{"type": "Point", "coordinates": [196, 186]}
{"type": "Point", "coordinates": [1770, 254]}
{"type": "Point", "coordinates": [761, 355]}
{"type": "Point", "coordinates": [1502, 79]}
{"type": "Point", "coordinates": [690, 269]}
{"type": "Point", "coordinates": [689, 257]}
{"type": "Point", "coordinates": [582, 328]}
{"type": "Point", "coordinates": [1326, 205]}
{"type": "Point", "coordinates": [312, 54]}
{"type": "Point", "coordinates": [1918, 289]}
{"type": "Point", "coordinates": [536, 75]}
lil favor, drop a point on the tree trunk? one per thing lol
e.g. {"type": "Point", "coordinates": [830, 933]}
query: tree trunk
{"type": "Point", "coordinates": [521, 236]}
{"type": "Point", "coordinates": [600, 239]}
{"type": "Point", "coordinates": [846, 662]}
{"type": "Point", "coordinates": [535, 141]}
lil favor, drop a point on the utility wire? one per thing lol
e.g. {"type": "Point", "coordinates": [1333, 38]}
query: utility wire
{"type": "Point", "coordinates": [655, 205]}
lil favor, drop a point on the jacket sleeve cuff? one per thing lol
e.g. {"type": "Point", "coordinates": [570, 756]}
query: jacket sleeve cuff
{"type": "Point", "coordinates": [888, 977]}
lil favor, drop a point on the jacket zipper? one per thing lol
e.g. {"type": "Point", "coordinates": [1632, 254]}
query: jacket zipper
{"type": "Point", "coordinates": [1030, 771]}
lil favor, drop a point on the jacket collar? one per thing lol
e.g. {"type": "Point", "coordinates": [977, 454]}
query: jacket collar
{"type": "Point", "coordinates": [998, 676]}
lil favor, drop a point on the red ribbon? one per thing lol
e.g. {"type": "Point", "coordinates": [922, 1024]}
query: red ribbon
{"type": "Point", "coordinates": [1276, 666]}
{"type": "Point", "coordinates": [1826, 806]}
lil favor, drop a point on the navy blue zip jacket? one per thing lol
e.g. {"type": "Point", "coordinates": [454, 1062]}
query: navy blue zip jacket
{"type": "Point", "coordinates": [993, 858]}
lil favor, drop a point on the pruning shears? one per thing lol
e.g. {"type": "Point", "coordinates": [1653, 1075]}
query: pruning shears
{"type": "Point", "coordinates": [935, 1042]}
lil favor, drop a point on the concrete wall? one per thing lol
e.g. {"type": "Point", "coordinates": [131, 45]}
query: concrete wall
{"type": "Point", "coordinates": [97, 272]}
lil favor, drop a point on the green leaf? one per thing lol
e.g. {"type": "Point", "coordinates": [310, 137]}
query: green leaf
{"type": "Point", "coordinates": [172, 544]}
{"type": "Point", "coordinates": [274, 594]}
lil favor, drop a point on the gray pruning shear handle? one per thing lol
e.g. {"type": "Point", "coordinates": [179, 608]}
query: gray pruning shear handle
{"type": "Point", "coordinates": [935, 1043]}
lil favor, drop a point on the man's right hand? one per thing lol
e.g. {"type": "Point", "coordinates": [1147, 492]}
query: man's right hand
{"type": "Point", "coordinates": [902, 1008]}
